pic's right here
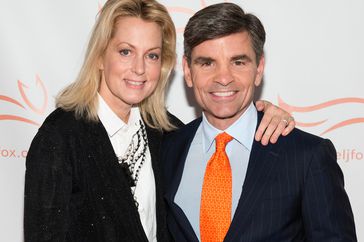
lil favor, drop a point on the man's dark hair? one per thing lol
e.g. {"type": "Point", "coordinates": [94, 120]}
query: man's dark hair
{"type": "Point", "coordinates": [219, 20]}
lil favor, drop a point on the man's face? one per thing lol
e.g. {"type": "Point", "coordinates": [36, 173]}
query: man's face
{"type": "Point", "coordinates": [224, 73]}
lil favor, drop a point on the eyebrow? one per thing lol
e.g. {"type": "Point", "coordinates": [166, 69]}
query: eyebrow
{"type": "Point", "coordinates": [132, 46]}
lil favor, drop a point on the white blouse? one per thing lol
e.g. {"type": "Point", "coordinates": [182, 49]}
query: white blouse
{"type": "Point", "coordinates": [121, 135]}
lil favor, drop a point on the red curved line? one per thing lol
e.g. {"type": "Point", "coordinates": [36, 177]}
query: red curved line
{"type": "Point", "coordinates": [343, 123]}
{"type": "Point", "coordinates": [310, 124]}
{"type": "Point", "coordinates": [45, 94]}
{"type": "Point", "coordinates": [291, 109]}
{"type": "Point", "coordinates": [203, 3]}
{"type": "Point", "coordinates": [187, 11]}
{"type": "Point", "coordinates": [180, 30]}
{"type": "Point", "coordinates": [28, 102]}
{"type": "Point", "coordinates": [18, 118]}
{"type": "Point", "coordinates": [11, 100]}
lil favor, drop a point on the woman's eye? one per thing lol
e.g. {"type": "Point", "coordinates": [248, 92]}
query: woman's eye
{"type": "Point", "coordinates": [124, 52]}
{"type": "Point", "coordinates": [153, 56]}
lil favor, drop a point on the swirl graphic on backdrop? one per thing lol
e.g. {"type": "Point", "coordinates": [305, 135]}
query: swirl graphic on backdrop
{"type": "Point", "coordinates": [33, 108]}
{"type": "Point", "coordinates": [183, 10]}
{"type": "Point", "coordinates": [177, 9]}
{"type": "Point", "coordinates": [328, 104]}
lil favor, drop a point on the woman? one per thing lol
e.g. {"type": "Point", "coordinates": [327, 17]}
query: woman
{"type": "Point", "coordinates": [92, 169]}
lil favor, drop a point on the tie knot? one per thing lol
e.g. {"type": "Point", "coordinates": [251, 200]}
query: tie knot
{"type": "Point", "coordinates": [221, 140]}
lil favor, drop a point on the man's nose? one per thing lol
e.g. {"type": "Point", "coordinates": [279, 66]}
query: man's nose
{"type": "Point", "coordinates": [224, 75]}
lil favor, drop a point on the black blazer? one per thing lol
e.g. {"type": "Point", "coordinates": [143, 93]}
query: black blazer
{"type": "Point", "coordinates": [75, 189]}
{"type": "Point", "coordinates": [293, 191]}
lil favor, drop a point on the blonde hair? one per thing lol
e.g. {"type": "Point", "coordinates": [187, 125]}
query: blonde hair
{"type": "Point", "coordinates": [81, 95]}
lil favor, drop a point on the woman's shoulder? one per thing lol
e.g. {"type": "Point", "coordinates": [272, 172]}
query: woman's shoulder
{"type": "Point", "coordinates": [59, 117]}
{"type": "Point", "coordinates": [62, 121]}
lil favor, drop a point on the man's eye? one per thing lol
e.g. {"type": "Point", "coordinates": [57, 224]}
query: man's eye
{"type": "Point", "coordinates": [124, 52]}
{"type": "Point", "coordinates": [153, 56]}
{"type": "Point", "coordinates": [206, 63]}
{"type": "Point", "coordinates": [239, 62]}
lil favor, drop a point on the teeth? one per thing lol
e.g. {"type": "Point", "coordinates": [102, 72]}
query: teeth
{"type": "Point", "coordinates": [223, 94]}
{"type": "Point", "coordinates": [135, 83]}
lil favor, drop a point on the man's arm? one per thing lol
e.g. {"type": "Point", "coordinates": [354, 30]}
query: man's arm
{"type": "Point", "coordinates": [326, 208]}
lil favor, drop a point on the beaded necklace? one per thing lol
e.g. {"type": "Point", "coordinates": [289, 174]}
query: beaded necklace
{"type": "Point", "coordinates": [135, 155]}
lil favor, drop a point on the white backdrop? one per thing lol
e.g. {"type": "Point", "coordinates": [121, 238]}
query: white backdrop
{"type": "Point", "coordinates": [314, 58]}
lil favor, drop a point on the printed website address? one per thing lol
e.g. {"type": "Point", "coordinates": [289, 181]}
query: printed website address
{"type": "Point", "coordinates": [348, 155]}
{"type": "Point", "coordinates": [344, 155]}
{"type": "Point", "coordinates": [9, 153]}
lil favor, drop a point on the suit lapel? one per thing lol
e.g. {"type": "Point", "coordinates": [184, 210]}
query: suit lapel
{"type": "Point", "coordinates": [262, 162]}
{"type": "Point", "coordinates": [154, 144]}
{"type": "Point", "coordinates": [172, 188]}
{"type": "Point", "coordinates": [182, 144]}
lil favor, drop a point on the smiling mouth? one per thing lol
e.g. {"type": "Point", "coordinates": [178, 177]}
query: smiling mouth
{"type": "Point", "coordinates": [135, 83]}
{"type": "Point", "coordinates": [223, 94]}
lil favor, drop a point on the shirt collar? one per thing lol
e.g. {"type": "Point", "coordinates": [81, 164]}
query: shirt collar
{"type": "Point", "coordinates": [242, 130]}
{"type": "Point", "coordinates": [112, 122]}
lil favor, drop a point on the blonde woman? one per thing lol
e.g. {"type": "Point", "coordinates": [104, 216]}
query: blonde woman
{"type": "Point", "coordinates": [92, 170]}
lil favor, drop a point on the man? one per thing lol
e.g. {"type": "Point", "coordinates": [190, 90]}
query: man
{"type": "Point", "coordinates": [290, 191]}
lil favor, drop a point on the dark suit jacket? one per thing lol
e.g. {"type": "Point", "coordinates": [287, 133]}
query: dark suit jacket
{"type": "Point", "coordinates": [293, 191]}
{"type": "Point", "coordinates": [75, 189]}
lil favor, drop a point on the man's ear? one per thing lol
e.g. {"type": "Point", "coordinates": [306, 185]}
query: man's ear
{"type": "Point", "coordinates": [260, 71]}
{"type": "Point", "coordinates": [187, 72]}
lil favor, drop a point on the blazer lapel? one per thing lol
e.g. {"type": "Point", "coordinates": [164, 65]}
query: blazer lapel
{"type": "Point", "coordinates": [114, 182]}
{"type": "Point", "coordinates": [262, 162]}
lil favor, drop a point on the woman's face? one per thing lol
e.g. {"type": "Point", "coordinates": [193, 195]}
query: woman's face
{"type": "Point", "coordinates": [131, 64]}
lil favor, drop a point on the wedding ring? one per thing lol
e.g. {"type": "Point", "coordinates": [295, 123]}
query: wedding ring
{"type": "Point", "coordinates": [285, 121]}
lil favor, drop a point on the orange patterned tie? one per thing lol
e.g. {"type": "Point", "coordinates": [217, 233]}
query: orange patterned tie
{"type": "Point", "coordinates": [215, 210]}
